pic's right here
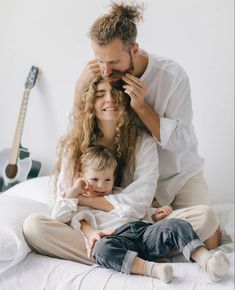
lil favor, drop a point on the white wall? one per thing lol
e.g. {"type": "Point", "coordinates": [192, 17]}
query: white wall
{"type": "Point", "coordinates": [52, 34]}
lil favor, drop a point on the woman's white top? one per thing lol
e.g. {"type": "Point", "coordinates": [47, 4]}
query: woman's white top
{"type": "Point", "coordinates": [131, 204]}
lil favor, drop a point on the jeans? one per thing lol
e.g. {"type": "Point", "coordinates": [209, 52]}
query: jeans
{"type": "Point", "coordinates": [145, 240]}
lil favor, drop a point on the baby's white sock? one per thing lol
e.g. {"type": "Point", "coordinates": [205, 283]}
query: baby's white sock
{"type": "Point", "coordinates": [162, 271]}
{"type": "Point", "coordinates": [215, 264]}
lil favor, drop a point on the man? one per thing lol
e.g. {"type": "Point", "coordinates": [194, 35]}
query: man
{"type": "Point", "coordinates": [160, 94]}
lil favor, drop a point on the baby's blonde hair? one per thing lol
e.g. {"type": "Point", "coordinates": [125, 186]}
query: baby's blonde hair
{"type": "Point", "coordinates": [98, 157]}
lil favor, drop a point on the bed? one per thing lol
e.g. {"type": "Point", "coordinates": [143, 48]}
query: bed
{"type": "Point", "coordinates": [22, 269]}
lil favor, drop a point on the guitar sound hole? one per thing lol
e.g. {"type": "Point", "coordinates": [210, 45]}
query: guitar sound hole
{"type": "Point", "coordinates": [11, 170]}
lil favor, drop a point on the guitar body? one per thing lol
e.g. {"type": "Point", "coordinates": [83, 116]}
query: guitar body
{"type": "Point", "coordinates": [25, 168]}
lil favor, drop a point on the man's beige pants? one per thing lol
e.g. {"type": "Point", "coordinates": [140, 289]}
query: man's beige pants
{"type": "Point", "coordinates": [50, 237]}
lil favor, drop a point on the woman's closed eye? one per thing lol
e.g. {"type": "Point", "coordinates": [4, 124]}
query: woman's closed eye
{"type": "Point", "coordinates": [99, 95]}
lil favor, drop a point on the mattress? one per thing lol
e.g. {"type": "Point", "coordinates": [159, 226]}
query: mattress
{"type": "Point", "coordinates": [37, 272]}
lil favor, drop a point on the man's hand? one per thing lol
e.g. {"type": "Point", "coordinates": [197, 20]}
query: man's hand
{"type": "Point", "coordinates": [136, 89]}
{"type": "Point", "coordinates": [96, 236]}
{"type": "Point", "coordinates": [161, 213]}
{"type": "Point", "coordinates": [90, 71]}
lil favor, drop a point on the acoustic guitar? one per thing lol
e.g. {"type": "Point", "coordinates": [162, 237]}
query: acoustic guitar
{"type": "Point", "coordinates": [15, 162]}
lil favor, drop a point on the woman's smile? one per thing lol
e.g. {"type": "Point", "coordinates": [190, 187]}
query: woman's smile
{"type": "Point", "coordinates": [110, 109]}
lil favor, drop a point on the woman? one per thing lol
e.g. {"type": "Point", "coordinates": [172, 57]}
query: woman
{"type": "Point", "coordinates": [102, 116]}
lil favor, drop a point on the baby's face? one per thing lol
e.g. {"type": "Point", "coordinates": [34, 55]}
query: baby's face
{"type": "Point", "coordinates": [101, 181]}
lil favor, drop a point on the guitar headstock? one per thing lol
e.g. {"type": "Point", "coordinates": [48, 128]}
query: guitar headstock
{"type": "Point", "coordinates": [31, 79]}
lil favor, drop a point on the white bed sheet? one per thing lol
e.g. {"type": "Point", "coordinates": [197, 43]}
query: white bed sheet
{"type": "Point", "coordinates": [37, 272]}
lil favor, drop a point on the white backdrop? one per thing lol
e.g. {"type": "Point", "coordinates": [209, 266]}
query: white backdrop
{"type": "Point", "coordinates": [52, 34]}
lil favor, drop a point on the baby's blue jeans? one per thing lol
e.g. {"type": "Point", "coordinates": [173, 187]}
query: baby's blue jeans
{"type": "Point", "coordinates": [147, 241]}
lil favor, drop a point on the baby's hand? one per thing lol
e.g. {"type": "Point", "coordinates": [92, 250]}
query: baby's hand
{"type": "Point", "coordinates": [79, 187]}
{"type": "Point", "coordinates": [161, 213]}
{"type": "Point", "coordinates": [96, 235]}
{"type": "Point", "coordinates": [83, 187]}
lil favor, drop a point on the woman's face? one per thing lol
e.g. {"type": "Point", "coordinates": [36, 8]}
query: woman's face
{"type": "Point", "coordinates": [105, 108]}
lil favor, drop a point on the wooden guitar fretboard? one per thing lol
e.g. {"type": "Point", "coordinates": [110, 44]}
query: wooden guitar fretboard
{"type": "Point", "coordinates": [19, 128]}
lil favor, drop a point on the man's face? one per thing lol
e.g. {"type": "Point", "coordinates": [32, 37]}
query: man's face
{"type": "Point", "coordinates": [114, 59]}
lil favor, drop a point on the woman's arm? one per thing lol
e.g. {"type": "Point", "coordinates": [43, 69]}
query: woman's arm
{"type": "Point", "coordinates": [65, 203]}
{"type": "Point", "coordinates": [64, 208]}
{"type": "Point", "coordinates": [97, 202]}
{"type": "Point", "coordinates": [137, 196]}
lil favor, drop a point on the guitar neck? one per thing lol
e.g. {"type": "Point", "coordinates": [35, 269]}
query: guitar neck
{"type": "Point", "coordinates": [19, 128]}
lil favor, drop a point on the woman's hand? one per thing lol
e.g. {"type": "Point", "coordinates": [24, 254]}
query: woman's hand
{"type": "Point", "coordinates": [94, 236]}
{"type": "Point", "coordinates": [161, 213]}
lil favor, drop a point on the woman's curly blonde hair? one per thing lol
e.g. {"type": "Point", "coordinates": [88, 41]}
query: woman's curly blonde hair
{"type": "Point", "coordinates": [83, 131]}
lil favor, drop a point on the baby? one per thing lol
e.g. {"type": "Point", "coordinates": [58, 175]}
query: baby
{"type": "Point", "coordinates": [131, 246]}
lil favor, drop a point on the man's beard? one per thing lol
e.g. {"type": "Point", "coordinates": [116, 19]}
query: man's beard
{"type": "Point", "coordinates": [116, 75]}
